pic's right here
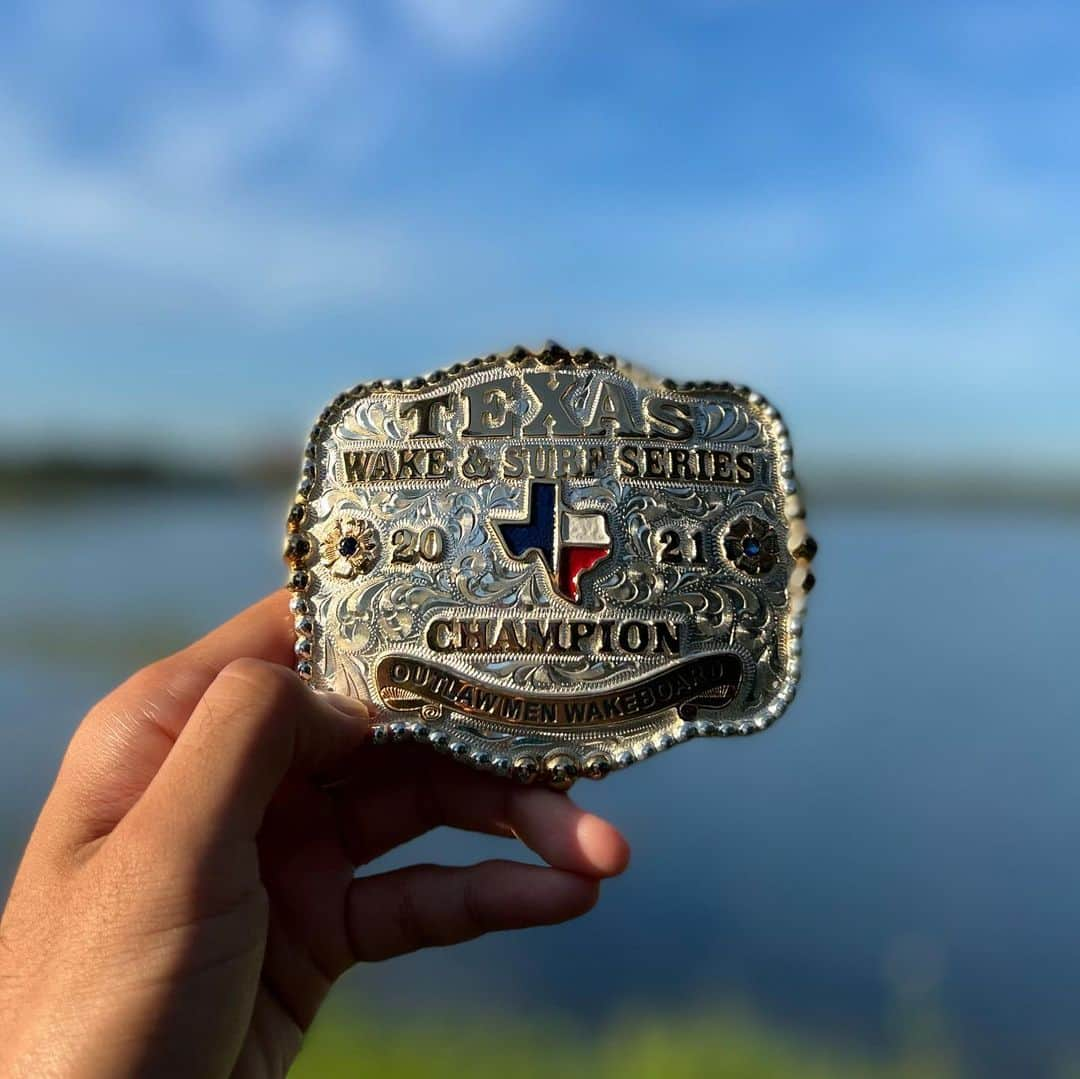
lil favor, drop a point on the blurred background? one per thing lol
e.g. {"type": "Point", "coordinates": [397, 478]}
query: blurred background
{"type": "Point", "coordinates": [216, 215]}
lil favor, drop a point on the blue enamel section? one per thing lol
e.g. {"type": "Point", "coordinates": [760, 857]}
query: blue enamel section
{"type": "Point", "coordinates": [539, 530]}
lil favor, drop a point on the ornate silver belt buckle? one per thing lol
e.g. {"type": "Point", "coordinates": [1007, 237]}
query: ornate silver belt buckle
{"type": "Point", "coordinates": [550, 564]}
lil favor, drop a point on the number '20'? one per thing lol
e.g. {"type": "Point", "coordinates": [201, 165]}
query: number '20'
{"type": "Point", "coordinates": [410, 546]}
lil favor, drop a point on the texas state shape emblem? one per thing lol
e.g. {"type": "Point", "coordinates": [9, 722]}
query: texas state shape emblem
{"type": "Point", "coordinates": [549, 564]}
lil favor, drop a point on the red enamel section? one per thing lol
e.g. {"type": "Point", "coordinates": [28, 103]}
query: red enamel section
{"type": "Point", "coordinates": [573, 562]}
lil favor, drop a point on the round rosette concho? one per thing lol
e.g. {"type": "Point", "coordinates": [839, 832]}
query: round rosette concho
{"type": "Point", "coordinates": [752, 545]}
{"type": "Point", "coordinates": [352, 546]}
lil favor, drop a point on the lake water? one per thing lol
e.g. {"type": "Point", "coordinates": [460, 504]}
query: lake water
{"type": "Point", "coordinates": [903, 842]}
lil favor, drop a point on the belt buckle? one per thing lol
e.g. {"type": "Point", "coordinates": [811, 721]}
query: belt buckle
{"type": "Point", "coordinates": [550, 564]}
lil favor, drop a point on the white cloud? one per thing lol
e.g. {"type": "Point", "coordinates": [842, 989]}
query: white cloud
{"type": "Point", "coordinates": [166, 207]}
{"type": "Point", "coordinates": [246, 254]}
{"type": "Point", "coordinates": [170, 205]}
{"type": "Point", "coordinates": [276, 79]}
{"type": "Point", "coordinates": [320, 40]}
{"type": "Point", "coordinates": [234, 27]}
{"type": "Point", "coordinates": [468, 29]}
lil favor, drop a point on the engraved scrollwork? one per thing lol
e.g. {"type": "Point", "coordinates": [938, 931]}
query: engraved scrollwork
{"type": "Point", "coordinates": [400, 603]}
{"type": "Point", "coordinates": [745, 617]}
{"type": "Point", "coordinates": [768, 671]}
{"type": "Point", "coordinates": [604, 488]}
{"type": "Point", "coordinates": [417, 507]}
{"type": "Point", "coordinates": [684, 590]}
{"type": "Point", "coordinates": [353, 614]}
{"type": "Point", "coordinates": [469, 510]}
{"type": "Point", "coordinates": [634, 584]}
{"type": "Point", "coordinates": [639, 511]}
{"type": "Point", "coordinates": [394, 614]}
{"type": "Point", "coordinates": [763, 500]}
{"type": "Point", "coordinates": [691, 503]}
{"type": "Point", "coordinates": [688, 502]}
{"type": "Point", "coordinates": [578, 399]}
{"type": "Point", "coordinates": [720, 421]}
{"type": "Point", "coordinates": [372, 418]}
{"type": "Point", "coordinates": [355, 503]}
{"type": "Point", "coordinates": [330, 661]}
{"type": "Point", "coordinates": [344, 672]}
{"type": "Point", "coordinates": [668, 587]}
{"type": "Point", "coordinates": [643, 510]}
{"type": "Point", "coordinates": [543, 674]}
{"type": "Point", "coordinates": [521, 741]}
{"type": "Point", "coordinates": [481, 580]}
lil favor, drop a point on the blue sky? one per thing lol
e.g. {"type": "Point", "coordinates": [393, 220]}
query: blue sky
{"type": "Point", "coordinates": [216, 214]}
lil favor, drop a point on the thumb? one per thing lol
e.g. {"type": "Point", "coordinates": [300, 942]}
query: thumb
{"type": "Point", "coordinates": [254, 725]}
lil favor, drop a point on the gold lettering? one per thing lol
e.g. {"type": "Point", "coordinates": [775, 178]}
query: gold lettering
{"type": "Point", "coordinates": [714, 678]}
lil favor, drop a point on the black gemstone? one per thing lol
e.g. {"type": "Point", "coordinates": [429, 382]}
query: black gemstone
{"type": "Point", "coordinates": [299, 580]}
{"type": "Point", "coordinates": [348, 546]}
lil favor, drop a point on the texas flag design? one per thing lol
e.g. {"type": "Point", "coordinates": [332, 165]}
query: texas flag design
{"type": "Point", "coordinates": [569, 542]}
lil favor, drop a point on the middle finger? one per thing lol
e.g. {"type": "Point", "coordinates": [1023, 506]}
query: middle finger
{"type": "Point", "coordinates": [418, 791]}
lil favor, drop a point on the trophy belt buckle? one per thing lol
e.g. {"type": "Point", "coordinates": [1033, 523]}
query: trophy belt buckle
{"type": "Point", "coordinates": [550, 564]}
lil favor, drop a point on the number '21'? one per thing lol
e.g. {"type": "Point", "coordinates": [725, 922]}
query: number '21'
{"type": "Point", "coordinates": [672, 548]}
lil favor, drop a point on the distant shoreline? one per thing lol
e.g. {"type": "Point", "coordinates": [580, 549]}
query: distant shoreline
{"type": "Point", "coordinates": [37, 480]}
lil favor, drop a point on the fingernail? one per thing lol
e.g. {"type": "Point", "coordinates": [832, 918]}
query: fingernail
{"type": "Point", "coordinates": [350, 706]}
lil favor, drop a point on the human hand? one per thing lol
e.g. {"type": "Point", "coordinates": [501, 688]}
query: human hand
{"type": "Point", "coordinates": [187, 897]}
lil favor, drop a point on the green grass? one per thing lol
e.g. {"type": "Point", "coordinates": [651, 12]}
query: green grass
{"type": "Point", "coordinates": [726, 1044]}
